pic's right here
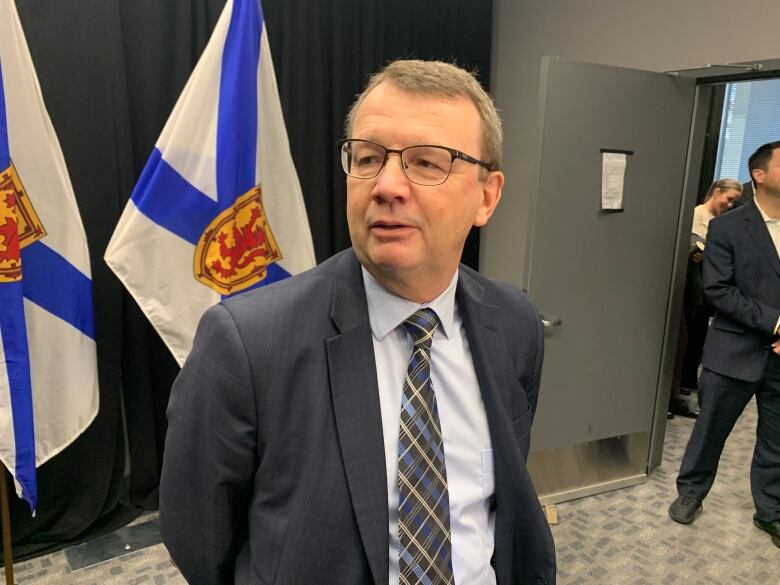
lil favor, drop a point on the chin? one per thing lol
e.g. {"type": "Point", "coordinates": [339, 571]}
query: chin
{"type": "Point", "coordinates": [389, 260]}
{"type": "Point", "coordinates": [388, 264]}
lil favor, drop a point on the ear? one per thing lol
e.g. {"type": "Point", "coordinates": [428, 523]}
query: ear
{"type": "Point", "coordinates": [757, 175]}
{"type": "Point", "coordinates": [491, 195]}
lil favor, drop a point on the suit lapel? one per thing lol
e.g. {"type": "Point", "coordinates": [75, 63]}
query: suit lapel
{"type": "Point", "coordinates": [757, 229]}
{"type": "Point", "coordinates": [482, 323]}
{"type": "Point", "coordinates": [355, 395]}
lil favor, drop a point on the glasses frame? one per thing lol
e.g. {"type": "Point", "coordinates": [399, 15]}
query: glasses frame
{"type": "Point", "coordinates": [454, 153]}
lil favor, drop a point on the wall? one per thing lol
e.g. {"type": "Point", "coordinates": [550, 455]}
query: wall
{"type": "Point", "coordinates": [659, 36]}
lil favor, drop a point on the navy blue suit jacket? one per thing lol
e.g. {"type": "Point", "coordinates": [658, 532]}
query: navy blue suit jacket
{"type": "Point", "coordinates": [742, 282]}
{"type": "Point", "coordinates": [274, 466]}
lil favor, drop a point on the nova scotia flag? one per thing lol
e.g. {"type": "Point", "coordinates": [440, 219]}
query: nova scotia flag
{"type": "Point", "coordinates": [218, 208]}
{"type": "Point", "coordinates": [48, 366]}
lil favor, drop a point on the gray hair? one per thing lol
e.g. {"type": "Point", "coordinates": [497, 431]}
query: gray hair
{"type": "Point", "coordinates": [441, 79]}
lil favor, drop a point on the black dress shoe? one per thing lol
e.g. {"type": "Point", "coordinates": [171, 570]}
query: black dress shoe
{"type": "Point", "coordinates": [680, 407]}
{"type": "Point", "coordinates": [685, 509]}
{"type": "Point", "coordinates": [772, 528]}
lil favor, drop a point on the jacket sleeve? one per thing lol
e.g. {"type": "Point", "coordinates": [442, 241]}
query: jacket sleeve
{"type": "Point", "coordinates": [533, 388]}
{"type": "Point", "coordinates": [721, 289]}
{"type": "Point", "coordinates": [210, 454]}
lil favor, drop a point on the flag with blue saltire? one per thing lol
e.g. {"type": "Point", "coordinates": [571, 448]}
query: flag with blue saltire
{"type": "Point", "coordinates": [48, 364]}
{"type": "Point", "coordinates": [218, 208]}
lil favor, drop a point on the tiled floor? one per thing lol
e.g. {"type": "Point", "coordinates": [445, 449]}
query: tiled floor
{"type": "Point", "coordinates": [619, 538]}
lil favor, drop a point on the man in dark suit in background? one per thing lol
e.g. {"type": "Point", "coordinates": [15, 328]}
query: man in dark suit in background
{"type": "Point", "coordinates": [742, 351]}
{"type": "Point", "coordinates": [305, 445]}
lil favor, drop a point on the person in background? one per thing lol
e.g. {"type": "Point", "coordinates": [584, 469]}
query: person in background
{"type": "Point", "coordinates": [720, 197]}
{"type": "Point", "coordinates": [741, 359]}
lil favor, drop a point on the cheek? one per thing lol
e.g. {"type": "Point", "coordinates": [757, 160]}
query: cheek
{"type": "Point", "coordinates": [356, 201]}
{"type": "Point", "coordinates": [355, 218]}
{"type": "Point", "coordinates": [453, 226]}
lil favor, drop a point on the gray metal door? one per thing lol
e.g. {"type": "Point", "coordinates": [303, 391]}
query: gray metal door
{"type": "Point", "coordinates": [604, 275]}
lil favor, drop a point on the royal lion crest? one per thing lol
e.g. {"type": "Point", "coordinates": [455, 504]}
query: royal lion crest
{"type": "Point", "coordinates": [237, 246]}
{"type": "Point", "coordinates": [19, 225]}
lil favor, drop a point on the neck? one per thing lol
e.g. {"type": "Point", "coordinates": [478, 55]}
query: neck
{"type": "Point", "coordinates": [417, 290]}
{"type": "Point", "coordinates": [769, 202]}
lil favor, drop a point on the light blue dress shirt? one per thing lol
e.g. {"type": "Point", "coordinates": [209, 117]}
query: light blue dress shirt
{"type": "Point", "coordinates": [467, 448]}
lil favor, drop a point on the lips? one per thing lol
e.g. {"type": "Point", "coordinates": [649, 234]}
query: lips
{"type": "Point", "coordinates": [390, 228]}
{"type": "Point", "coordinates": [388, 225]}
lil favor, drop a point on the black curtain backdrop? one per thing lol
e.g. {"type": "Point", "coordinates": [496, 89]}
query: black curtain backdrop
{"type": "Point", "coordinates": [110, 72]}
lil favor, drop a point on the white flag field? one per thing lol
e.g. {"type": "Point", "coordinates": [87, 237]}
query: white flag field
{"type": "Point", "coordinates": [218, 209]}
{"type": "Point", "coordinates": [48, 364]}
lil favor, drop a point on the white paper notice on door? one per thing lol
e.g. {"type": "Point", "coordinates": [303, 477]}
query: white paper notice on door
{"type": "Point", "coordinates": [613, 172]}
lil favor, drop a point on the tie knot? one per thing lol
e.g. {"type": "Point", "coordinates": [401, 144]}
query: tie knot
{"type": "Point", "coordinates": [421, 326]}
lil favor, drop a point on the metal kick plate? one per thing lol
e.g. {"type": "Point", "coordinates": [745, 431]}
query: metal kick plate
{"type": "Point", "coordinates": [575, 471]}
{"type": "Point", "coordinates": [120, 542]}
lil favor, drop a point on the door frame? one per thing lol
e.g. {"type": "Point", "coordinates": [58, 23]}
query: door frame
{"type": "Point", "coordinates": [707, 79]}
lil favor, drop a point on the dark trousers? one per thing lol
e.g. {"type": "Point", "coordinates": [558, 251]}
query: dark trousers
{"type": "Point", "coordinates": [682, 343]}
{"type": "Point", "coordinates": [722, 400]}
{"type": "Point", "coordinates": [697, 323]}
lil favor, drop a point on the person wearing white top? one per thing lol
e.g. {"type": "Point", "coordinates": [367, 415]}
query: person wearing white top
{"type": "Point", "coordinates": [720, 197]}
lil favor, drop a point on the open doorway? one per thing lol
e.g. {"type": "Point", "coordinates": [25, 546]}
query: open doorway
{"type": "Point", "coordinates": [742, 114]}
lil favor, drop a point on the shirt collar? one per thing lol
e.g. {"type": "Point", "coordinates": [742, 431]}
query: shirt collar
{"type": "Point", "coordinates": [764, 216]}
{"type": "Point", "coordinates": [387, 311]}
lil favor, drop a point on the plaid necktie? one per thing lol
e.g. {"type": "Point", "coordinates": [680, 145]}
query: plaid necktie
{"type": "Point", "coordinates": [424, 509]}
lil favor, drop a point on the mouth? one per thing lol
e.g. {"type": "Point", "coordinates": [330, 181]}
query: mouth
{"type": "Point", "coordinates": [388, 224]}
{"type": "Point", "coordinates": [390, 228]}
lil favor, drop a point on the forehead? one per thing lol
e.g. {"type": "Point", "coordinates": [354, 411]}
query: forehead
{"type": "Point", "coordinates": [389, 113]}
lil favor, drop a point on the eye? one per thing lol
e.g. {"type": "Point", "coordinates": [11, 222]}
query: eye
{"type": "Point", "coordinates": [427, 164]}
{"type": "Point", "coordinates": [367, 160]}
{"type": "Point", "coordinates": [429, 159]}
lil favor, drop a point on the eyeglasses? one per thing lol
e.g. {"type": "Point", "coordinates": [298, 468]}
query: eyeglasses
{"type": "Point", "coordinates": [424, 164]}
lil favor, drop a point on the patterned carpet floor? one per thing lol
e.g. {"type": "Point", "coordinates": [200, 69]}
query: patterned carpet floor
{"type": "Point", "coordinates": [624, 537]}
{"type": "Point", "coordinates": [627, 537]}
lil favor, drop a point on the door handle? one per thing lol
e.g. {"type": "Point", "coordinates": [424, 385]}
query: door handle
{"type": "Point", "coordinates": [551, 323]}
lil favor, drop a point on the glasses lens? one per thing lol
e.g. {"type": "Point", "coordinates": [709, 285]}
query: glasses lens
{"type": "Point", "coordinates": [362, 160]}
{"type": "Point", "coordinates": [427, 165]}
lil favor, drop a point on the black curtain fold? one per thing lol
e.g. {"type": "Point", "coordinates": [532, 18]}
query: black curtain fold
{"type": "Point", "coordinates": [323, 55]}
{"type": "Point", "coordinates": [110, 72]}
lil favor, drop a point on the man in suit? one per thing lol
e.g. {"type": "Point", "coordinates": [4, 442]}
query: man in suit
{"type": "Point", "coordinates": [367, 422]}
{"type": "Point", "coordinates": [742, 352]}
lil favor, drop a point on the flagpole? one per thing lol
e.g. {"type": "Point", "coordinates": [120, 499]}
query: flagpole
{"type": "Point", "coordinates": [8, 556]}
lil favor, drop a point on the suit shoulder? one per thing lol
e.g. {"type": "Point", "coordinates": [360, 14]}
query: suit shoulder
{"type": "Point", "coordinates": [301, 290]}
{"type": "Point", "coordinates": [502, 294]}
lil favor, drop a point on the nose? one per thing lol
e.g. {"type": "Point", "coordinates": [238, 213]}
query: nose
{"type": "Point", "coordinates": [391, 182]}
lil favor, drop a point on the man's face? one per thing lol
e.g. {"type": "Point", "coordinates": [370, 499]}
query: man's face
{"type": "Point", "coordinates": [410, 237]}
{"type": "Point", "coordinates": [768, 181]}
